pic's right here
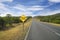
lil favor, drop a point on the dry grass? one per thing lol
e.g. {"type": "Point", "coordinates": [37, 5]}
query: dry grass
{"type": "Point", "coordinates": [55, 24]}
{"type": "Point", "coordinates": [14, 33]}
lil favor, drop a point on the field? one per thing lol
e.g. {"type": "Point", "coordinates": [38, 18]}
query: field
{"type": "Point", "coordinates": [15, 33]}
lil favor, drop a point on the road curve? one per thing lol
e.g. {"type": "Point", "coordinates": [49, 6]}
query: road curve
{"type": "Point", "coordinates": [43, 31]}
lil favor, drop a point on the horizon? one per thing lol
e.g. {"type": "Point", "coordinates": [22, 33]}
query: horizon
{"type": "Point", "coordinates": [30, 15]}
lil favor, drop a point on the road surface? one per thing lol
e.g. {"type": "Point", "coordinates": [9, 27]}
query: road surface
{"type": "Point", "coordinates": [43, 31]}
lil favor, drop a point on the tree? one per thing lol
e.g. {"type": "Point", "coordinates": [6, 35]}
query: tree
{"type": "Point", "coordinates": [2, 23]}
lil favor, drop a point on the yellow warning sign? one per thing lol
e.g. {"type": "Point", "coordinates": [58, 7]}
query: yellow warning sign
{"type": "Point", "coordinates": [23, 18]}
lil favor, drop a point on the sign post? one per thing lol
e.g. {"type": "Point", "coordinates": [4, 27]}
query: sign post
{"type": "Point", "coordinates": [23, 19]}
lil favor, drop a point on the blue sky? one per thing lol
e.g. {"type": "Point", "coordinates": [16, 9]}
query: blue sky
{"type": "Point", "coordinates": [29, 7]}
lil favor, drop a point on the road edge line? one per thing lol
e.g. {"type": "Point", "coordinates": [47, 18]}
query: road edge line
{"type": "Point", "coordinates": [27, 33]}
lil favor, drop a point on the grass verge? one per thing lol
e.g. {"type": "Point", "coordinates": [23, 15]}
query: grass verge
{"type": "Point", "coordinates": [15, 33]}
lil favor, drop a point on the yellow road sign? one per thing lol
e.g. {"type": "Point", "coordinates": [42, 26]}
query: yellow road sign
{"type": "Point", "coordinates": [23, 18]}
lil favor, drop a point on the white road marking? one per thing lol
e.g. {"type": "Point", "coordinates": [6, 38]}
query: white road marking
{"type": "Point", "coordinates": [27, 34]}
{"type": "Point", "coordinates": [57, 33]}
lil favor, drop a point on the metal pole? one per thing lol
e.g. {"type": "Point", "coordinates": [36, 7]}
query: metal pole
{"type": "Point", "coordinates": [23, 26]}
{"type": "Point", "coordinates": [23, 31]}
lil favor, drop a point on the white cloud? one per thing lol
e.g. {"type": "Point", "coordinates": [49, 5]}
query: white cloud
{"type": "Point", "coordinates": [5, 13]}
{"type": "Point", "coordinates": [35, 8]}
{"type": "Point", "coordinates": [56, 1]}
{"type": "Point", "coordinates": [3, 7]}
{"type": "Point", "coordinates": [6, 0]}
{"type": "Point", "coordinates": [31, 8]}
{"type": "Point", "coordinates": [48, 12]}
{"type": "Point", "coordinates": [54, 12]}
{"type": "Point", "coordinates": [26, 13]}
{"type": "Point", "coordinates": [38, 6]}
{"type": "Point", "coordinates": [23, 10]}
{"type": "Point", "coordinates": [4, 10]}
{"type": "Point", "coordinates": [19, 7]}
{"type": "Point", "coordinates": [27, 10]}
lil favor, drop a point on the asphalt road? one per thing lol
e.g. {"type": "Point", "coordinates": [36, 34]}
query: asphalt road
{"type": "Point", "coordinates": [43, 31]}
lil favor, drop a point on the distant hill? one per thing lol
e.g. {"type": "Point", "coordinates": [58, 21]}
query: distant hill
{"type": "Point", "coordinates": [50, 18]}
{"type": "Point", "coordinates": [57, 14]}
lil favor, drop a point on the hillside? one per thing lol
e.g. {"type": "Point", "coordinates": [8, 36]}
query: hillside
{"type": "Point", "coordinates": [50, 18]}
